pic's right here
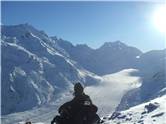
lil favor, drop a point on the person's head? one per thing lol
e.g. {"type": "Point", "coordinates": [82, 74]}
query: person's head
{"type": "Point", "coordinates": [78, 89]}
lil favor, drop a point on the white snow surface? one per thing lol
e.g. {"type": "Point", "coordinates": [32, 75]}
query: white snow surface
{"type": "Point", "coordinates": [139, 115]}
{"type": "Point", "coordinates": [109, 92]}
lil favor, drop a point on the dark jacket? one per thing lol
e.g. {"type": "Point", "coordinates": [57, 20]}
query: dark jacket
{"type": "Point", "coordinates": [79, 110]}
{"type": "Point", "coordinates": [81, 103]}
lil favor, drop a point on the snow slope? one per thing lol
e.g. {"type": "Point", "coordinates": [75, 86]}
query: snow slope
{"type": "Point", "coordinates": [153, 86]}
{"type": "Point", "coordinates": [106, 95]}
{"type": "Point", "coordinates": [42, 114]}
{"type": "Point", "coordinates": [152, 112]}
{"type": "Point", "coordinates": [34, 70]}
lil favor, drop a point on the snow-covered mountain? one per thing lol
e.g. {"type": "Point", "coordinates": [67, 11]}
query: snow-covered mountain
{"type": "Point", "coordinates": [34, 69]}
{"type": "Point", "coordinates": [38, 73]}
{"type": "Point", "coordinates": [103, 95]}
{"type": "Point", "coordinates": [152, 87]}
{"type": "Point", "coordinates": [109, 58]}
{"type": "Point", "coordinates": [152, 112]}
{"type": "Point", "coordinates": [106, 96]}
{"type": "Point", "coordinates": [151, 62]}
{"type": "Point", "coordinates": [113, 57]}
{"type": "Point", "coordinates": [152, 71]}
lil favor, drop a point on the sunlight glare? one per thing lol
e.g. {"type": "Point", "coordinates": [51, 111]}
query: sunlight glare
{"type": "Point", "coordinates": [159, 19]}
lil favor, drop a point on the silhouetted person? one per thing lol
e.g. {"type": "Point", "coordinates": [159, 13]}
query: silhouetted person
{"type": "Point", "coordinates": [79, 110]}
{"type": "Point", "coordinates": [28, 122]}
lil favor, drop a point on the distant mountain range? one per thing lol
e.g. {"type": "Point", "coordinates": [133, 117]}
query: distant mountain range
{"type": "Point", "coordinates": [37, 69]}
{"type": "Point", "coordinates": [109, 58]}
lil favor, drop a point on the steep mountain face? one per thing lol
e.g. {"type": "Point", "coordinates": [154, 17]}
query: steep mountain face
{"type": "Point", "coordinates": [115, 56]}
{"type": "Point", "coordinates": [152, 62]}
{"type": "Point", "coordinates": [152, 71]}
{"type": "Point", "coordinates": [152, 87]}
{"type": "Point", "coordinates": [35, 71]}
{"type": "Point", "coordinates": [110, 57]}
{"type": "Point", "coordinates": [80, 53]}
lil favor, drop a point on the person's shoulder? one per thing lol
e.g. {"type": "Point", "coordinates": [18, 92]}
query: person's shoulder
{"type": "Point", "coordinates": [65, 105]}
{"type": "Point", "coordinates": [86, 96]}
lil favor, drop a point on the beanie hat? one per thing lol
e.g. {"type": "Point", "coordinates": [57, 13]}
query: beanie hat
{"type": "Point", "coordinates": [78, 88]}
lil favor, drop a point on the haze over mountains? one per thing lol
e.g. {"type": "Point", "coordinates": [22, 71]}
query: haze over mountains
{"type": "Point", "coordinates": [38, 70]}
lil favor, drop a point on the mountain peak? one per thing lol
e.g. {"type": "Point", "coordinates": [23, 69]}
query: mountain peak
{"type": "Point", "coordinates": [21, 30]}
{"type": "Point", "coordinates": [21, 26]}
{"type": "Point", "coordinates": [26, 25]}
{"type": "Point", "coordinates": [82, 46]}
{"type": "Point", "coordinates": [116, 44]}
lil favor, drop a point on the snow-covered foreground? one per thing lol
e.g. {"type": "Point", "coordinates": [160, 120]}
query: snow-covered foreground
{"type": "Point", "coordinates": [106, 95]}
{"type": "Point", "coordinates": [152, 112]}
{"type": "Point", "coordinates": [41, 115]}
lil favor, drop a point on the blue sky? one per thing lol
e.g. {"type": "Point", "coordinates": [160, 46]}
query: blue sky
{"type": "Point", "coordinates": [91, 23]}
